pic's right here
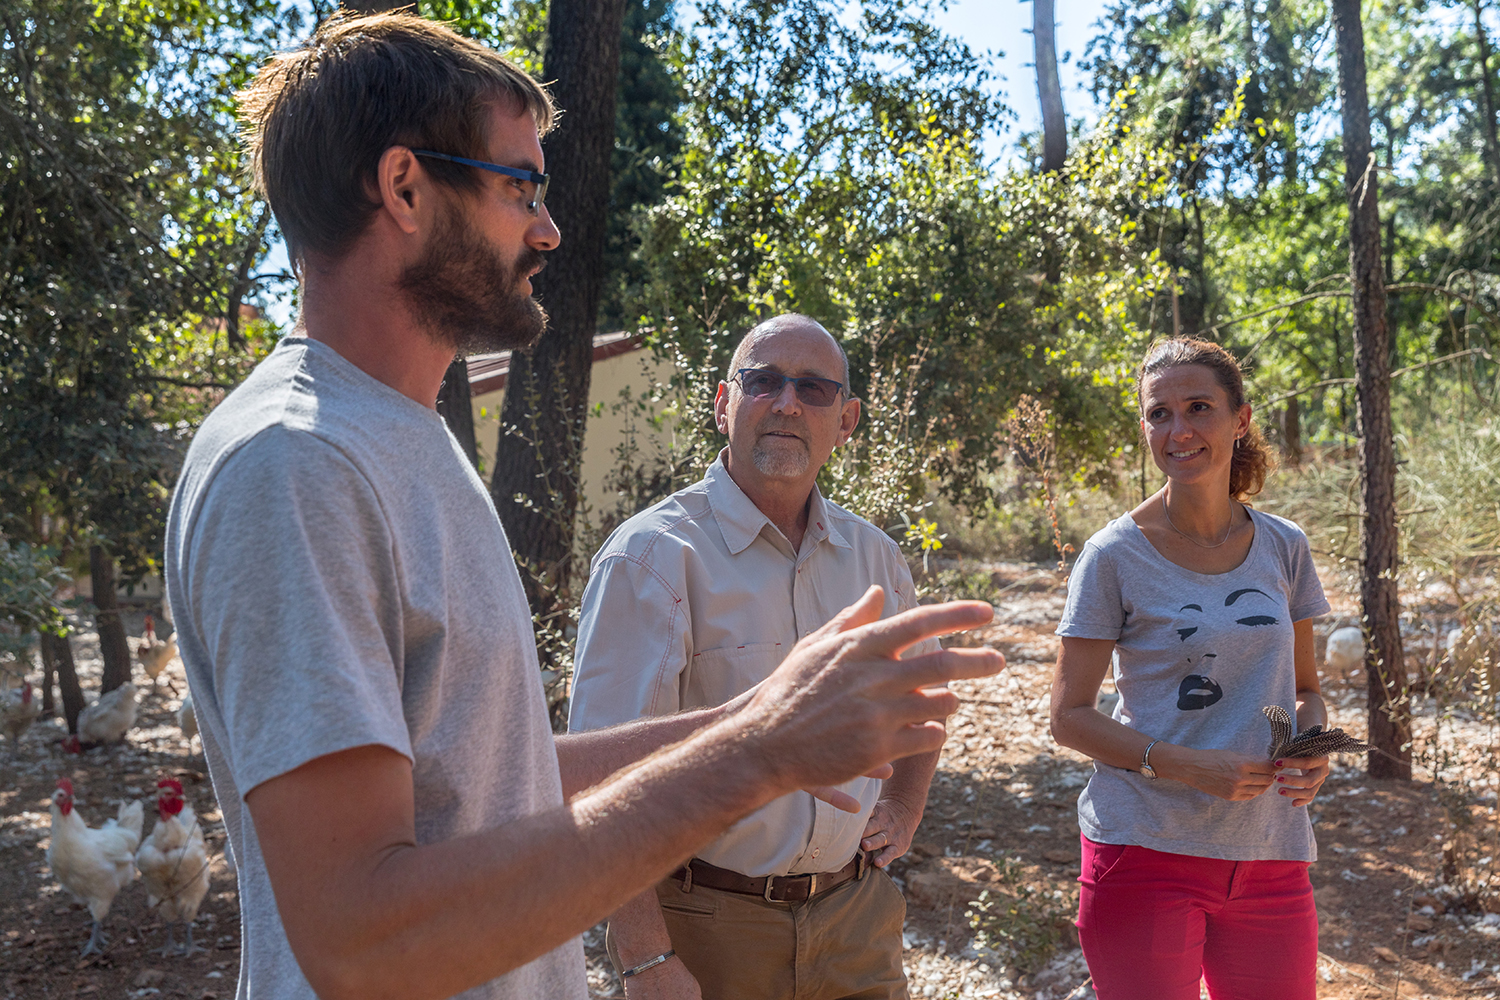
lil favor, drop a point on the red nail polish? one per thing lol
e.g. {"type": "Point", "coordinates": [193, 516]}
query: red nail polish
{"type": "Point", "coordinates": [1280, 763]}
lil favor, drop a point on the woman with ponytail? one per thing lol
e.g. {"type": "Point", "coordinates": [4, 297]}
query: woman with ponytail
{"type": "Point", "coordinates": [1195, 843]}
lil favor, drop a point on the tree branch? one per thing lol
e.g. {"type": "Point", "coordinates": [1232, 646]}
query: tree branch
{"type": "Point", "coordinates": [1399, 371]}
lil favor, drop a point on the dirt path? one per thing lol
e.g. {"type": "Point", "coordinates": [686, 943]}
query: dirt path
{"type": "Point", "coordinates": [1001, 819]}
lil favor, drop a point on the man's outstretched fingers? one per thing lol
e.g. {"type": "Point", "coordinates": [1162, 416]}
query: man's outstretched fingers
{"type": "Point", "coordinates": [889, 636]}
{"type": "Point", "coordinates": [843, 800]}
{"type": "Point", "coordinates": [933, 669]}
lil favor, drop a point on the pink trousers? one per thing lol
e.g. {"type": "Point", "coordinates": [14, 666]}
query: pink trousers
{"type": "Point", "coordinates": [1151, 924]}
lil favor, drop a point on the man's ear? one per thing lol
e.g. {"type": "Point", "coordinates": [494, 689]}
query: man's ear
{"type": "Point", "coordinates": [404, 188]}
{"type": "Point", "coordinates": [848, 420]}
{"type": "Point", "coordinates": [721, 408]}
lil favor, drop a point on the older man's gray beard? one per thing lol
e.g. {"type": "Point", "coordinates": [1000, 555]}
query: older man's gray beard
{"type": "Point", "coordinates": [786, 460]}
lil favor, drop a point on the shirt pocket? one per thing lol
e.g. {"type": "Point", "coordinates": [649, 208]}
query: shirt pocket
{"type": "Point", "coordinates": [716, 675]}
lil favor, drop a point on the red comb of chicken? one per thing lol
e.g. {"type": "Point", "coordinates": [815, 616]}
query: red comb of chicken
{"type": "Point", "coordinates": [150, 624]}
{"type": "Point", "coordinates": [171, 783]}
{"type": "Point", "coordinates": [65, 785]}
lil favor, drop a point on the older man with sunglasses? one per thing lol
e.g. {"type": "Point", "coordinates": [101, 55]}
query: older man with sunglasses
{"type": "Point", "coordinates": [697, 600]}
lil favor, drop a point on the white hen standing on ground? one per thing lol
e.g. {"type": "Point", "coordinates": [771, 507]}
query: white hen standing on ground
{"type": "Point", "coordinates": [110, 718]}
{"type": "Point", "coordinates": [17, 711]}
{"type": "Point", "coordinates": [1346, 650]}
{"type": "Point", "coordinates": [174, 863]}
{"type": "Point", "coordinates": [94, 865]}
{"type": "Point", "coordinates": [155, 653]}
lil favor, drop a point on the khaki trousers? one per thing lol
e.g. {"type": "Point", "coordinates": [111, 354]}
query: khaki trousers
{"type": "Point", "coordinates": [844, 944]}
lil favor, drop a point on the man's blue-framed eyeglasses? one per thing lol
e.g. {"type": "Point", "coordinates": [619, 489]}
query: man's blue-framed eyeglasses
{"type": "Point", "coordinates": [758, 383]}
{"type": "Point", "coordinates": [534, 206]}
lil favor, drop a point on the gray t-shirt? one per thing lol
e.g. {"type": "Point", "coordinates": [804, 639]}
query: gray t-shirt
{"type": "Point", "coordinates": [339, 578]}
{"type": "Point", "coordinates": [1197, 656]}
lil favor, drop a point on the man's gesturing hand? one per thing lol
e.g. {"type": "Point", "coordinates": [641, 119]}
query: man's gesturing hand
{"type": "Point", "coordinates": [842, 703]}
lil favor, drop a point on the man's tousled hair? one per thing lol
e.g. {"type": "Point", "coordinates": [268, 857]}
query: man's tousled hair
{"type": "Point", "coordinates": [318, 119]}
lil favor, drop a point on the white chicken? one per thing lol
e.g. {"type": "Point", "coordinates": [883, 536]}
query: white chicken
{"type": "Point", "coordinates": [1346, 650]}
{"type": "Point", "coordinates": [110, 718]}
{"type": "Point", "coordinates": [174, 863]}
{"type": "Point", "coordinates": [187, 718]}
{"type": "Point", "coordinates": [94, 865]}
{"type": "Point", "coordinates": [155, 653]}
{"type": "Point", "coordinates": [17, 711]}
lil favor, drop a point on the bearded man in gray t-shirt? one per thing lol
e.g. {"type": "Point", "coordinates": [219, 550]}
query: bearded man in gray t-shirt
{"type": "Point", "coordinates": [353, 627]}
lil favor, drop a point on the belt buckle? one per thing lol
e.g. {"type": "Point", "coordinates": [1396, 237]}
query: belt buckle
{"type": "Point", "coordinates": [812, 887]}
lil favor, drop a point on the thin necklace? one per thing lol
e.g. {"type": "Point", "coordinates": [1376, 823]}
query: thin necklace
{"type": "Point", "coordinates": [1165, 510]}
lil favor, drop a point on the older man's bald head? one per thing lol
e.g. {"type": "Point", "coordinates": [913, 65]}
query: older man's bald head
{"type": "Point", "coordinates": [787, 323]}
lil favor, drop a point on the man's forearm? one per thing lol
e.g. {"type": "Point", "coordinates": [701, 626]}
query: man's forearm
{"type": "Point", "coordinates": [910, 779]}
{"type": "Point", "coordinates": [476, 907]}
{"type": "Point", "coordinates": [637, 930]}
{"type": "Point", "coordinates": [587, 758]}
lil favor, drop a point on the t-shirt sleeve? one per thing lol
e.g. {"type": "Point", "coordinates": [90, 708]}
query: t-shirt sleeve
{"type": "Point", "coordinates": [296, 597]}
{"type": "Point", "coordinates": [1095, 608]}
{"type": "Point", "coordinates": [633, 644]}
{"type": "Point", "coordinates": [1305, 597]}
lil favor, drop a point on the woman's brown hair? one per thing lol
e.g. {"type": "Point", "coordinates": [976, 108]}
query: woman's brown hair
{"type": "Point", "coordinates": [1252, 460]}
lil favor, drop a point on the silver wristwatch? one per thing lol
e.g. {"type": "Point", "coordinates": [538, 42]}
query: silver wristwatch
{"type": "Point", "coordinates": [1146, 767]}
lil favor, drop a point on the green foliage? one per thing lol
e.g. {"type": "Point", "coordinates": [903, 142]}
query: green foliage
{"type": "Point", "coordinates": [1256, 228]}
{"type": "Point", "coordinates": [127, 242]}
{"type": "Point", "coordinates": [1022, 918]}
{"type": "Point", "coordinates": [29, 580]}
{"type": "Point", "coordinates": [648, 141]}
{"type": "Point", "coordinates": [842, 177]}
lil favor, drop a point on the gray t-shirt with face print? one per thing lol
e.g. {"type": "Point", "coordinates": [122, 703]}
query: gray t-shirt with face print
{"type": "Point", "coordinates": [1197, 656]}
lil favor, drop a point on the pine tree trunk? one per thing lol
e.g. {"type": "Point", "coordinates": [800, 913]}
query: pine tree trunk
{"type": "Point", "coordinates": [48, 682]}
{"type": "Point", "coordinates": [1487, 91]}
{"type": "Point", "coordinates": [1291, 432]}
{"type": "Point", "coordinates": [453, 406]}
{"type": "Point", "coordinates": [547, 391]}
{"type": "Point", "coordinates": [1390, 727]}
{"type": "Point", "coordinates": [113, 644]}
{"type": "Point", "coordinates": [1049, 88]}
{"type": "Point", "coordinates": [59, 653]}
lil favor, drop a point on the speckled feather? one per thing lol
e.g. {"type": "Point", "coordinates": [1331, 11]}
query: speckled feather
{"type": "Point", "coordinates": [1315, 741]}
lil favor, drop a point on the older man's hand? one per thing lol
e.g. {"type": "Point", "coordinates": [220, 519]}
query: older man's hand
{"type": "Point", "coordinates": [889, 830]}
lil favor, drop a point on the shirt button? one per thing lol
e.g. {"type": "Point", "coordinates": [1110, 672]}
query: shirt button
{"type": "Point", "coordinates": [817, 851]}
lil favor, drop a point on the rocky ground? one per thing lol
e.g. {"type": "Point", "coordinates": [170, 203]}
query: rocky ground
{"type": "Point", "coordinates": [1000, 829]}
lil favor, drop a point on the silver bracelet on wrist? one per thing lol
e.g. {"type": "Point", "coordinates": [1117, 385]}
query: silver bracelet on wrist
{"type": "Point", "coordinates": [1146, 768]}
{"type": "Point", "coordinates": [650, 963]}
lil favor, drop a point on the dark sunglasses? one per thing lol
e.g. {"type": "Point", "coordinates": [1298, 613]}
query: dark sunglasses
{"type": "Point", "coordinates": [758, 383]}
{"type": "Point", "coordinates": [534, 206]}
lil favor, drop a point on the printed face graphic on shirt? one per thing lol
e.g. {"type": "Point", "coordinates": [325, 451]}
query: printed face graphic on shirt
{"type": "Point", "coordinates": [1199, 690]}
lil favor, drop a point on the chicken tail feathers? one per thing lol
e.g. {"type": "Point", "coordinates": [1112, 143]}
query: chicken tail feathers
{"type": "Point", "coordinates": [132, 817]}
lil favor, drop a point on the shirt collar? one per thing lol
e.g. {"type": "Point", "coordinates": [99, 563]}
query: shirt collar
{"type": "Point", "coordinates": [741, 522]}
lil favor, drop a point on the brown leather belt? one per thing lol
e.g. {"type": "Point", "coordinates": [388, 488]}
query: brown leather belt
{"type": "Point", "coordinates": [772, 888]}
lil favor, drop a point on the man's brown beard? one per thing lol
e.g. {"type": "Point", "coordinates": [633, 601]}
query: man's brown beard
{"type": "Point", "coordinates": [464, 296]}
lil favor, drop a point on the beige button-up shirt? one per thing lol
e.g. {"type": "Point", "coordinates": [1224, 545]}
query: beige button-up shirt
{"type": "Point", "coordinates": [700, 598]}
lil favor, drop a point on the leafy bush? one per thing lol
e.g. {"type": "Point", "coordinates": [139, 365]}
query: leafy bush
{"type": "Point", "coordinates": [1023, 920]}
{"type": "Point", "coordinates": [29, 578]}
